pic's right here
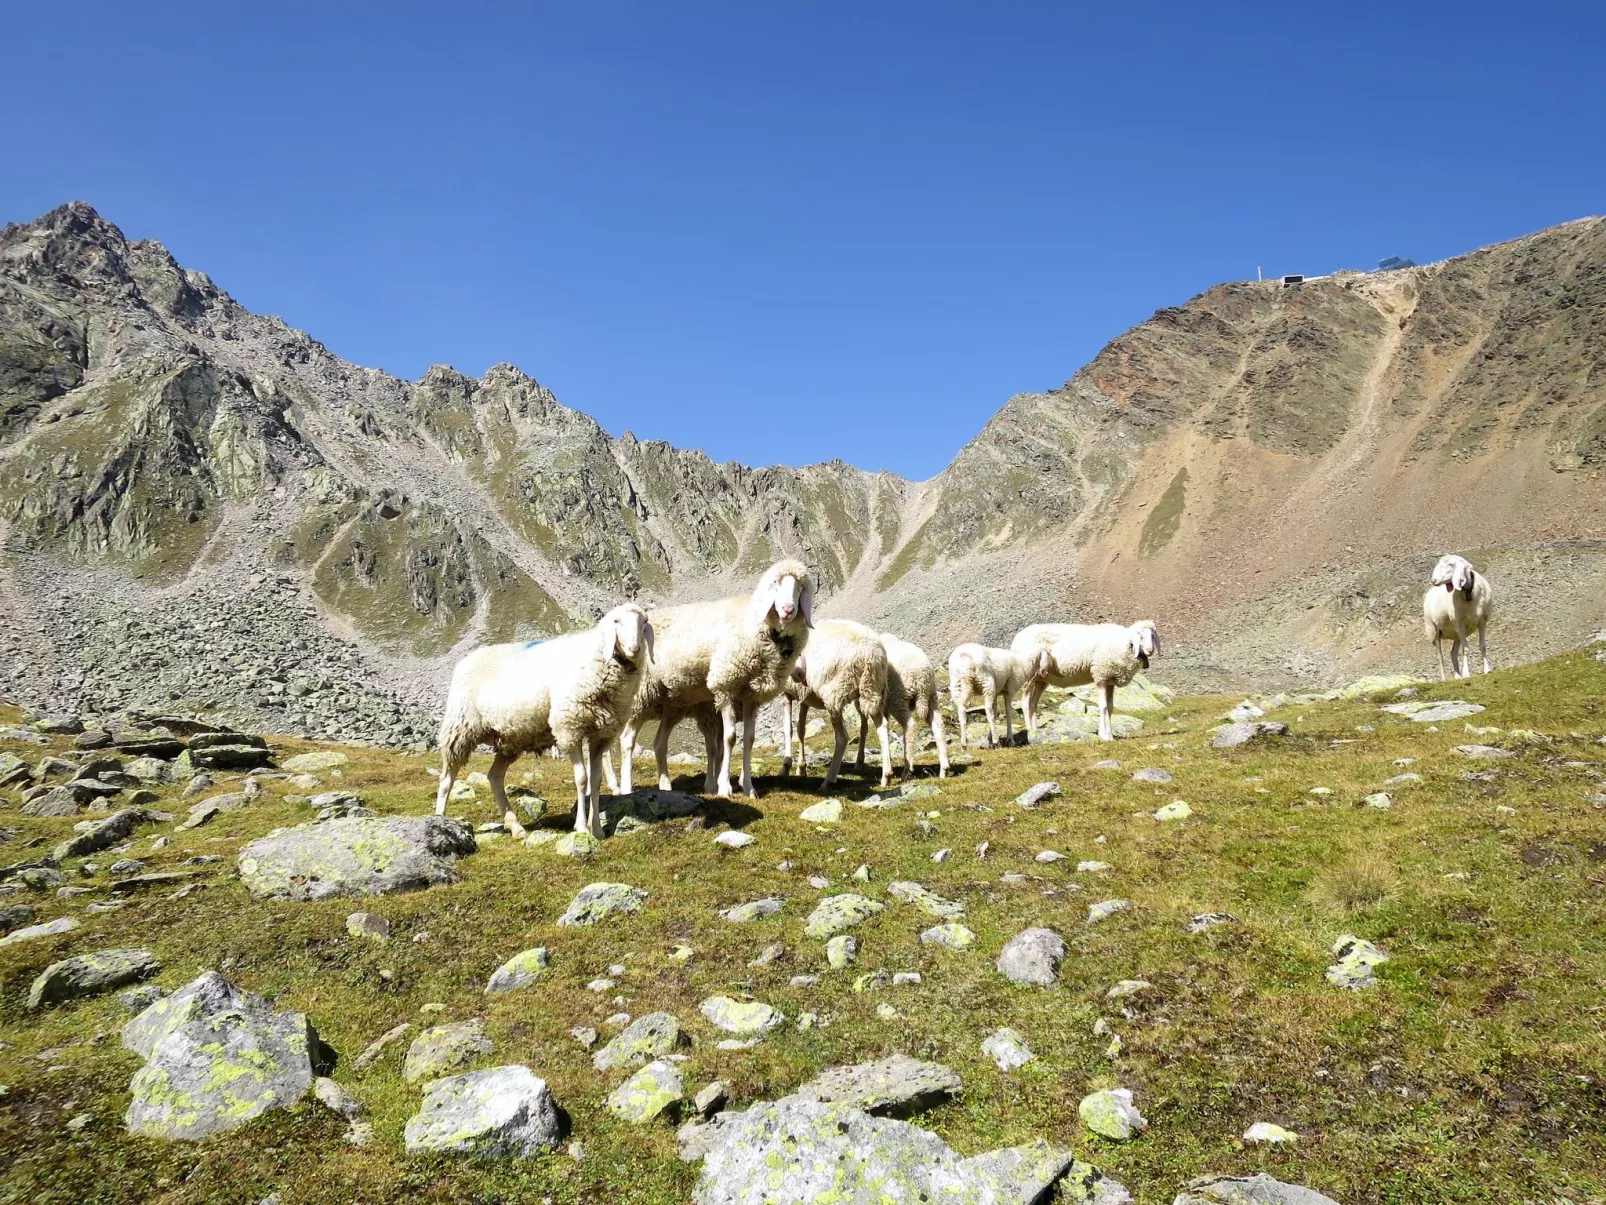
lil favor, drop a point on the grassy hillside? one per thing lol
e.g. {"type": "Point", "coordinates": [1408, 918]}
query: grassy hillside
{"type": "Point", "coordinates": [1472, 1073]}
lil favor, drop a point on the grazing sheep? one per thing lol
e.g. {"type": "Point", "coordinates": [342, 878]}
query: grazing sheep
{"type": "Point", "coordinates": [572, 692]}
{"type": "Point", "coordinates": [845, 663]}
{"type": "Point", "coordinates": [736, 653]}
{"type": "Point", "coordinates": [1106, 655]}
{"type": "Point", "coordinates": [992, 673]}
{"type": "Point", "coordinates": [911, 700]}
{"type": "Point", "coordinates": [1457, 603]}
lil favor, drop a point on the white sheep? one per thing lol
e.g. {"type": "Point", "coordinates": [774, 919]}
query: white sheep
{"type": "Point", "coordinates": [1459, 601]}
{"type": "Point", "coordinates": [573, 693]}
{"type": "Point", "coordinates": [1105, 655]}
{"type": "Point", "coordinates": [846, 663]}
{"type": "Point", "coordinates": [911, 700]}
{"type": "Point", "coordinates": [735, 653]}
{"type": "Point", "coordinates": [994, 674]}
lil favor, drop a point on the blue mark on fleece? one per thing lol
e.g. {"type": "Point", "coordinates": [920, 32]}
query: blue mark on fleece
{"type": "Point", "coordinates": [530, 644]}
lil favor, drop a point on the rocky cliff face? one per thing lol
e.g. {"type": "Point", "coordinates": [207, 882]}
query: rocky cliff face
{"type": "Point", "coordinates": [203, 507]}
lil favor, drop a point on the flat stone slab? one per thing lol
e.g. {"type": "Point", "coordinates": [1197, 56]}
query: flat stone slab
{"type": "Point", "coordinates": [642, 1041]}
{"type": "Point", "coordinates": [313, 763]}
{"type": "Point", "coordinates": [1032, 958]}
{"type": "Point", "coordinates": [926, 900]}
{"type": "Point", "coordinates": [1424, 711]}
{"type": "Point", "coordinates": [896, 1085]}
{"type": "Point", "coordinates": [1033, 796]}
{"type": "Point", "coordinates": [1151, 774]}
{"type": "Point", "coordinates": [1485, 752]}
{"type": "Point", "coordinates": [838, 912]}
{"type": "Point", "coordinates": [745, 1019]}
{"type": "Point", "coordinates": [1259, 1189]}
{"type": "Point", "coordinates": [354, 857]}
{"type": "Point", "coordinates": [646, 806]}
{"type": "Point", "coordinates": [827, 811]}
{"type": "Point", "coordinates": [91, 975]}
{"type": "Point", "coordinates": [1242, 732]}
{"type": "Point", "coordinates": [953, 936]}
{"type": "Point", "coordinates": [649, 1092]}
{"type": "Point", "coordinates": [598, 901]}
{"type": "Point", "coordinates": [445, 1048]}
{"type": "Point", "coordinates": [103, 834]}
{"type": "Point", "coordinates": [50, 928]}
{"type": "Point", "coordinates": [497, 1113]}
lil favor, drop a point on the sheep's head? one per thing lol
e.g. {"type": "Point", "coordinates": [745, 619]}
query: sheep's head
{"type": "Point", "coordinates": [1145, 641]}
{"type": "Point", "coordinates": [783, 594]}
{"type": "Point", "coordinates": [1454, 573]}
{"type": "Point", "coordinates": [625, 634]}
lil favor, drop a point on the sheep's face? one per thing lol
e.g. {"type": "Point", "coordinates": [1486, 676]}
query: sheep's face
{"type": "Point", "coordinates": [789, 598]}
{"type": "Point", "coordinates": [1454, 573]}
{"type": "Point", "coordinates": [1145, 641]}
{"type": "Point", "coordinates": [626, 635]}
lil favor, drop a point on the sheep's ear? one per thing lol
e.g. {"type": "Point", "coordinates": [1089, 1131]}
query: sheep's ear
{"type": "Point", "coordinates": [607, 637]}
{"type": "Point", "coordinates": [646, 636]}
{"type": "Point", "coordinates": [1136, 642]}
{"type": "Point", "coordinates": [805, 602]}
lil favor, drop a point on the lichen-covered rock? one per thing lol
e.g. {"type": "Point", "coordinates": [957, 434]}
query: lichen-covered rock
{"type": "Point", "coordinates": [523, 969]}
{"type": "Point", "coordinates": [216, 1058]}
{"type": "Point", "coordinates": [953, 936]}
{"type": "Point", "coordinates": [1356, 960]}
{"type": "Point", "coordinates": [838, 912]}
{"type": "Point", "coordinates": [1425, 711]}
{"type": "Point", "coordinates": [1111, 1114]}
{"type": "Point", "coordinates": [497, 1113]}
{"type": "Point", "coordinates": [357, 856]}
{"type": "Point", "coordinates": [647, 1093]}
{"type": "Point", "coordinates": [1177, 809]}
{"type": "Point", "coordinates": [827, 811]}
{"type": "Point", "coordinates": [926, 900]}
{"type": "Point", "coordinates": [643, 1040]}
{"type": "Point", "coordinates": [1032, 958]}
{"type": "Point", "coordinates": [1209, 920]}
{"type": "Point", "coordinates": [740, 914]}
{"type": "Point", "coordinates": [896, 1085]}
{"type": "Point", "coordinates": [1034, 795]}
{"type": "Point", "coordinates": [1241, 732]}
{"type": "Point", "coordinates": [841, 952]}
{"type": "Point", "coordinates": [313, 763]}
{"type": "Point", "coordinates": [1007, 1048]}
{"type": "Point", "coordinates": [647, 806]}
{"type": "Point", "coordinates": [445, 1048]}
{"type": "Point", "coordinates": [576, 845]}
{"type": "Point", "coordinates": [368, 924]}
{"type": "Point", "coordinates": [1105, 909]}
{"type": "Point", "coordinates": [1270, 1133]}
{"type": "Point", "coordinates": [15, 916]}
{"type": "Point", "coordinates": [1259, 1189]}
{"type": "Point", "coordinates": [90, 975]}
{"type": "Point", "coordinates": [103, 834]}
{"type": "Point", "coordinates": [800, 1152]}
{"type": "Point", "coordinates": [598, 901]}
{"type": "Point", "coordinates": [1151, 774]}
{"type": "Point", "coordinates": [745, 1019]}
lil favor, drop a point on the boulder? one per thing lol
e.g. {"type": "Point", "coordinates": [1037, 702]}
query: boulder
{"type": "Point", "coordinates": [647, 1093]}
{"type": "Point", "coordinates": [898, 1085]}
{"type": "Point", "coordinates": [576, 845]}
{"type": "Point", "coordinates": [523, 969]}
{"type": "Point", "coordinates": [501, 1112]}
{"type": "Point", "coordinates": [445, 1048]}
{"type": "Point", "coordinates": [91, 975]}
{"type": "Point", "coordinates": [649, 806]}
{"type": "Point", "coordinates": [360, 856]}
{"type": "Point", "coordinates": [745, 1019]}
{"type": "Point", "coordinates": [13, 770]}
{"type": "Point", "coordinates": [216, 1058]}
{"type": "Point", "coordinates": [1259, 1189]}
{"type": "Point", "coordinates": [57, 802]}
{"type": "Point", "coordinates": [841, 951]}
{"type": "Point", "coordinates": [368, 924]}
{"type": "Point", "coordinates": [642, 1041]}
{"type": "Point", "coordinates": [838, 912]}
{"type": "Point", "coordinates": [1032, 958]}
{"type": "Point", "coordinates": [15, 916]}
{"type": "Point", "coordinates": [232, 755]}
{"type": "Point", "coordinates": [598, 901]}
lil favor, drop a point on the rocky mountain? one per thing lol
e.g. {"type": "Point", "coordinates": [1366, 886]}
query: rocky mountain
{"type": "Point", "coordinates": [204, 509]}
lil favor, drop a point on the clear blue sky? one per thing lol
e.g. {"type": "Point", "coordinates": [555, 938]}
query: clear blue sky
{"type": "Point", "coordinates": [786, 231]}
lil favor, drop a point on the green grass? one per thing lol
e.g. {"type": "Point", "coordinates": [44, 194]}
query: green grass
{"type": "Point", "coordinates": [1471, 1074]}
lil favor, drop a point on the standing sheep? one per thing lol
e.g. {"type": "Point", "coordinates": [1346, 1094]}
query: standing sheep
{"type": "Point", "coordinates": [736, 653]}
{"type": "Point", "coordinates": [911, 700]}
{"type": "Point", "coordinates": [573, 692]}
{"type": "Point", "coordinates": [1106, 655]}
{"type": "Point", "coordinates": [845, 663]}
{"type": "Point", "coordinates": [1458, 602]}
{"type": "Point", "coordinates": [994, 674]}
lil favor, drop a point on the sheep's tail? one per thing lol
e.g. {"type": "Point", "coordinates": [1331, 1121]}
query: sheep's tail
{"type": "Point", "coordinates": [872, 693]}
{"type": "Point", "coordinates": [459, 735]}
{"type": "Point", "coordinates": [1430, 630]}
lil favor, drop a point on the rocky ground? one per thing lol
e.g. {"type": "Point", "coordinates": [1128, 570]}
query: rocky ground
{"type": "Point", "coordinates": [1300, 948]}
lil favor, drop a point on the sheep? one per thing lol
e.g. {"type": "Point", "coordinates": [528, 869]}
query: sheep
{"type": "Point", "coordinates": [911, 700]}
{"type": "Point", "coordinates": [993, 673]}
{"type": "Point", "coordinates": [845, 663]}
{"type": "Point", "coordinates": [1106, 655]}
{"type": "Point", "coordinates": [1458, 602]}
{"type": "Point", "coordinates": [735, 653]}
{"type": "Point", "coordinates": [572, 692]}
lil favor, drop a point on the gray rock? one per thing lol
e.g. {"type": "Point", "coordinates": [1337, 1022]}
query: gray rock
{"type": "Point", "coordinates": [1034, 795]}
{"type": "Point", "coordinates": [1259, 1189]}
{"type": "Point", "coordinates": [41, 878]}
{"type": "Point", "coordinates": [927, 901]}
{"type": "Point", "coordinates": [62, 801]}
{"type": "Point", "coordinates": [497, 1113]}
{"type": "Point", "coordinates": [797, 1152]}
{"type": "Point", "coordinates": [1105, 909]}
{"type": "Point", "coordinates": [1241, 732]}
{"type": "Point", "coordinates": [138, 999]}
{"type": "Point", "coordinates": [953, 936]}
{"type": "Point", "coordinates": [1209, 920]}
{"type": "Point", "coordinates": [1424, 711]}
{"type": "Point", "coordinates": [745, 1019]}
{"type": "Point", "coordinates": [1151, 774]}
{"type": "Point", "coordinates": [740, 914]}
{"type": "Point", "coordinates": [91, 975]}
{"type": "Point", "coordinates": [149, 769]}
{"type": "Point", "coordinates": [1032, 958]}
{"type": "Point", "coordinates": [371, 1053]}
{"type": "Point", "coordinates": [599, 901]}
{"type": "Point", "coordinates": [523, 969]}
{"type": "Point", "coordinates": [220, 1058]}
{"type": "Point", "coordinates": [103, 834]}
{"type": "Point", "coordinates": [649, 1092]}
{"type": "Point", "coordinates": [1357, 959]}
{"type": "Point", "coordinates": [898, 1085]}
{"type": "Point", "coordinates": [642, 1041]}
{"type": "Point", "coordinates": [712, 1098]}
{"type": "Point", "coordinates": [1483, 751]}
{"type": "Point", "coordinates": [648, 806]}
{"type": "Point", "coordinates": [15, 916]}
{"type": "Point", "coordinates": [771, 953]}
{"type": "Point", "coordinates": [445, 1048]}
{"type": "Point", "coordinates": [355, 857]}
{"type": "Point", "coordinates": [62, 924]}
{"type": "Point", "coordinates": [315, 762]}
{"type": "Point", "coordinates": [838, 912]}
{"type": "Point", "coordinates": [337, 1098]}
{"type": "Point", "coordinates": [368, 924]}
{"type": "Point", "coordinates": [1007, 1048]}
{"type": "Point", "coordinates": [1111, 1114]}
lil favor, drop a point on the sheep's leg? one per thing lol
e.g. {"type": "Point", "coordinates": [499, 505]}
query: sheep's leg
{"type": "Point", "coordinates": [959, 710]}
{"type": "Point", "coordinates": [841, 731]}
{"type": "Point", "coordinates": [749, 728]}
{"type": "Point", "coordinates": [942, 742]}
{"type": "Point", "coordinates": [582, 789]}
{"type": "Point", "coordinates": [802, 738]}
{"type": "Point", "coordinates": [727, 713]}
{"type": "Point", "coordinates": [497, 775]}
{"type": "Point", "coordinates": [599, 759]}
{"type": "Point", "coordinates": [786, 736]}
{"type": "Point", "coordinates": [1029, 702]}
{"type": "Point", "coordinates": [627, 757]}
{"type": "Point", "coordinates": [1009, 719]}
{"type": "Point", "coordinates": [886, 748]}
{"type": "Point", "coordinates": [1106, 706]}
{"type": "Point", "coordinates": [607, 768]}
{"type": "Point", "coordinates": [1483, 649]}
{"type": "Point", "coordinates": [987, 698]}
{"type": "Point", "coordinates": [660, 748]}
{"type": "Point", "coordinates": [1438, 647]}
{"type": "Point", "coordinates": [911, 726]}
{"type": "Point", "coordinates": [443, 791]}
{"type": "Point", "coordinates": [711, 729]}
{"type": "Point", "coordinates": [858, 763]}
{"type": "Point", "coordinates": [1457, 657]}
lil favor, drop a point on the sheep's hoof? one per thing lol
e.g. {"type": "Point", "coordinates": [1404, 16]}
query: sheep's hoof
{"type": "Point", "coordinates": [516, 831]}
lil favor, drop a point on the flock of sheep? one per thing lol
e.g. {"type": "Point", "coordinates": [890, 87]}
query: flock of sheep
{"type": "Point", "coordinates": [718, 662]}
